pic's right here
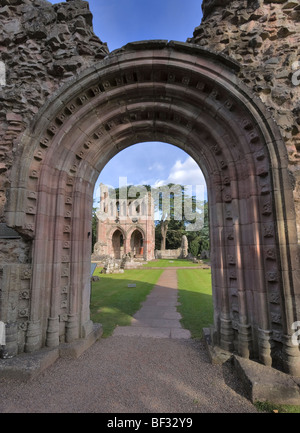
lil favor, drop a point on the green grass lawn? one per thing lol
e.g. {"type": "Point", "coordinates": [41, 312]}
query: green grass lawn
{"type": "Point", "coordinates": [163, 263]}
{"type": "Point", "coordinates": [114, 303]}
{"type": "Point", "coordinates": [273, 407]}
{"type": "Point", "coordinates": [195, 296]}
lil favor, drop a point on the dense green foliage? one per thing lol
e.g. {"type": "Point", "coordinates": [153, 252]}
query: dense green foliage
{"type": "Point", "coordinates": [198, 240]}
{"type": "Point", "coordinates": [94, 227]}
{"type": "Point", "coordinates": [175, 232]}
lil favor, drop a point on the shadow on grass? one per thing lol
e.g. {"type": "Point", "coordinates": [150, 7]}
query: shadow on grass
{"type": "Point", "coordinates": [195, 297]}
{"type": "Point", "coordinates": [196, 310]}
{"type": "Point", "coordinates": [115, 299]}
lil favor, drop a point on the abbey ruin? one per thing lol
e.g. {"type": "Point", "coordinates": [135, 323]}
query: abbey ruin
{"type": "Point", "coordinates": [229, 96]}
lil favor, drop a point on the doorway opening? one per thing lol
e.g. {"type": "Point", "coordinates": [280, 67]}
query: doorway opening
{"type": "Point", "coordinates": [117, 244]}
{"type": "Point", "coordinates": [191, 98]}
{"type": "Point", "coordinates": [151, 185]}
{"type": "Point", "coordinates": [136, 244]}
{"type": "Point", "coordinates": [152, 182]}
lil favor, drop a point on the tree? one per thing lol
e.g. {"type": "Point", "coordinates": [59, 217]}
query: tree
{"type": "Point", "coordinates": [181, 213]}
{"type": "Point", "coordinates": [195, 246]}
{"type": "Point", "coordinates": [164, 229]}
{"type": "Point", "coordinates": [94, 227]}
{"type": "Point", "coordinates": [177, 213]}
{"type": "Point", "coordinates": [168, 202]}
{"type": "Point", "coordinates": [176, 230]}
{"type": "Point", "coordinates": [200, 241]}
{"type": "Point", "coordinates": [174, 234]}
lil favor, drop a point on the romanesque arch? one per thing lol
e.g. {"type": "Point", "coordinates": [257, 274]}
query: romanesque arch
{"type": "Point", "coordinates": [137, 242]}
{"type": "Point", "coordinates": [117, 241]}
{"type": "Point", "coordinates": [190, 97]}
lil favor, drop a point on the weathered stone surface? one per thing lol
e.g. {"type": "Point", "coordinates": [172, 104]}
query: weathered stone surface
{"type": "Point", "coordinates": [267, 384]}
{"type": "Point", "coordinates": [264, 37]}
{"type": "Point", "coordinates": [59, 128]}
{"type": "Point", "coordinates": [42, 45]}
{"type": "Point", "coordinates": [125, 227]}
{"type": "Point", "coordinates": [29, 366]}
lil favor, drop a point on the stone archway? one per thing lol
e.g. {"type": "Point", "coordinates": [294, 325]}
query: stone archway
{"type": "Point", "coordinates": [117, 244]}
{"type": "Point", "coordinates": [189, 97]}
{"type": "Point", "coordinates": [137, 243]}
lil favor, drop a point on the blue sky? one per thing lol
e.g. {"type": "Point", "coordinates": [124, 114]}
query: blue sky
{"type": "Point", "coordinates": [118, 22]}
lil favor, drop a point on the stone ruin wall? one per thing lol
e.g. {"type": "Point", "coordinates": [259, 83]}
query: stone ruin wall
{"type": "Point", "coordinates": [264, 37]}
{"type": "Point", "coordinates": [44, 45]}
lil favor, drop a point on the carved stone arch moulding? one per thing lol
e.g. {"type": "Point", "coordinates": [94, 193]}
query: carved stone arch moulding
{"type": "Point", "coordinates": [114, 229]}
{"type": "Point", "coordinates": [191, 98]}
{"type": "Point", "coordinates": [134, 228]}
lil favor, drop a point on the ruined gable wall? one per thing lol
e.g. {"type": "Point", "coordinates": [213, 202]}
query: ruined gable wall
{"type": "Point", "coordinates": [264, 37]}
{"type": "Point", "coordinates": [42, 46]}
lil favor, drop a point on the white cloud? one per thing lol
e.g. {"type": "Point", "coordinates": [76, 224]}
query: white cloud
{"type": "Point", "coordinates": [184, 173]}
{"type": "Point", "coordinates": [156, 166]}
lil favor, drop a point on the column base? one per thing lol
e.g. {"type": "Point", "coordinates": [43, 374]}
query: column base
{"type": "Point", "coordinates": [245, 341]}
{"type": "Point", "coordinates": [27, 366]}
{"type": "Point", "coordinates": [53, 332]}
{"type": "Point", "coordinates": [33, 337]}
{"type": "Point", "coordinates": [291, 357]}
{"type": "Point", "coordinates": [226, 335]}
{"type": "Point", "coordinates": [261, 383]}
{"type": "Point", "coordinates": [265, 346]}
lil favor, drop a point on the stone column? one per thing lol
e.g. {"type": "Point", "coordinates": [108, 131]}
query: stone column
{"type": "Point", "coordinates": [53, 326]}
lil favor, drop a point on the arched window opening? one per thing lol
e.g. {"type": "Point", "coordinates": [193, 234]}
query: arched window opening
{"type": "Point", "coordinates": [136, 244]}
{"type": "Point", "coordinates": [117, 245]}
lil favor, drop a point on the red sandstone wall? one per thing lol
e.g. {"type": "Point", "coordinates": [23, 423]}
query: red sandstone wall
{"type": "Point", "coordinates": [42, 46]}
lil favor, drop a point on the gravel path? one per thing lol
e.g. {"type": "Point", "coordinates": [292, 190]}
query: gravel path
{"type": "Point", "coordinates": [151, 366]}
{"type": "Point", "coordinates": [130, 375]}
